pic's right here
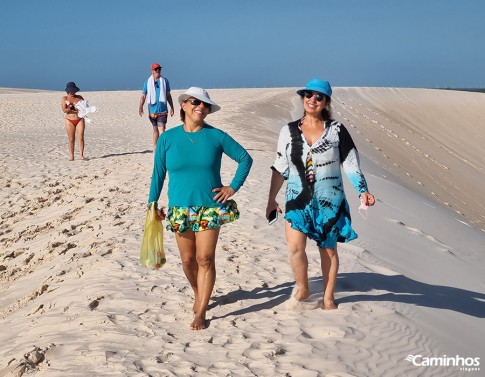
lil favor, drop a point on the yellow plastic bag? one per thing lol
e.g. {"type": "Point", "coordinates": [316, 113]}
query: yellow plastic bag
{"type": "Point", "coordinates": [152, 254]}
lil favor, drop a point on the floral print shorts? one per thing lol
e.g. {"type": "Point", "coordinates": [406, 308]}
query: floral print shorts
{"type": "Point", "coordinates": [197, 219]}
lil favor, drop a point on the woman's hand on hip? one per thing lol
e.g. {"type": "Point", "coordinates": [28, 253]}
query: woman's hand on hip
{"type": "Point", "coordinates": [223, 193]}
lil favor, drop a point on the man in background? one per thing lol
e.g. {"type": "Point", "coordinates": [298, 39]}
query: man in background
{"type": "Point", "coordinates": [157, 89]}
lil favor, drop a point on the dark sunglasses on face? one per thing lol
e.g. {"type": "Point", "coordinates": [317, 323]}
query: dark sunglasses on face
{"type": "Point", "coordinates": [197, 102]}
{"type": "Point", "coordinates": [319, 96]}
{"type": "Point", "coordinates": [157, 69]}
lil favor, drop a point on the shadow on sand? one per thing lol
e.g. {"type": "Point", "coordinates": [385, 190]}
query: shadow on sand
{"type": "Point", "coordinates": [122, 154]}
{"type": "Point", "coordinates": [269, 297]}
{"type": "Point", "coordinates": [352, 288]}
{"type": "Point", "coordinates": [402, 289]}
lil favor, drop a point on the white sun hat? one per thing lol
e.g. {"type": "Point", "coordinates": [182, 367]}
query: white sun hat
{"type": "Point", "coordinates": [200, 94]}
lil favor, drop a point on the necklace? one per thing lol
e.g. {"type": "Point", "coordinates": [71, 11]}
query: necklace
{"type": "Point", "coordinates": [192, 140]}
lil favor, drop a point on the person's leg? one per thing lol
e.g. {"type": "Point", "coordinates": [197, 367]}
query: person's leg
{"type": "Point", "coordinates": [156, 134]}
{"type": "Point", "coordinates": [297, 257]}
{"type": "Point", "coordinates": [161, 123]}
{"type": "Point", "coordinates": [186, 245]}
{"type": "Point", "coordinates": [330, 264]}
{"type": "Point", "coordinates": [71, 135]}
{"type": "Point", "coordinates": [80, 137]}
{"type": "Point", "coordinates": [206, 242]}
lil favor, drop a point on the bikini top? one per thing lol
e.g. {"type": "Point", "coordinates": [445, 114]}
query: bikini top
{"type": "Point", "coordinates": [71, 106]}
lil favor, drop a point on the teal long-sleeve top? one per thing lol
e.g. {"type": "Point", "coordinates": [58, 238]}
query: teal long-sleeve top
{"type": "Point", "coordinates": [193, 163]}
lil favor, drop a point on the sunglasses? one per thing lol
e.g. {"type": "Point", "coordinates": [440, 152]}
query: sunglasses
{"type": "Point", "coordinates": [157, 69]}
{"type": "Point", "coordinates": [309, 94]}
{"type": "Point", "coordinates": [197, 102]}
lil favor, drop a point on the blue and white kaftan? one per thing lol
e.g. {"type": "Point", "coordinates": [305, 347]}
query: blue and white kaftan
{"type": "Point", "coordinates": [315, 200]}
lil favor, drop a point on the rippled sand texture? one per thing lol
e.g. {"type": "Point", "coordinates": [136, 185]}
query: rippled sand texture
{"type": "Point", "coordinates": [74, 300]}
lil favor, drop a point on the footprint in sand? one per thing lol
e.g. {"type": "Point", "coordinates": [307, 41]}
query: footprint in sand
{"type": "Point", "coordinates": [95, 303]}
{"type": "Point", "coordinates": [440, 245]}
{"type": "Point", "coordinates": [310, 303]}
{"type": "Point", "coordinates": [323, 332]}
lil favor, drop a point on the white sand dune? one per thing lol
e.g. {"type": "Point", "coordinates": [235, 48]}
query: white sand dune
{"type": "Point", "coordinates": [431, 139]}
{"type": "Point", "coordinates": [74, 300]}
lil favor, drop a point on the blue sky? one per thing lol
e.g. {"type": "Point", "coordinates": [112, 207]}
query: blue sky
{"type": "Point", "coordinates": [110, 44]}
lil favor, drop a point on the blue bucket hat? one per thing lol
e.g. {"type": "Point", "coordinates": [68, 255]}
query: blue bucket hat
{"type": "Point", "coordinates": [71, 88]}
{"type": "Point", "coordinates": [317, 85]}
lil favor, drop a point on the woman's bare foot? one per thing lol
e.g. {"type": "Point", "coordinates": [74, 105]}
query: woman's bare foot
{"type": "Point", "coordinates": [301, 294]}
{"type": "Point", "coordinates": [71, 158]}
{"type": "Point", "coordinates": [196, 305]}
{"type": "Point", "coordinates": [199, 323]}
{"type": "Point", "coordinates": [82, 158]}
{"type": "Point", "coordinates": [329, 304]}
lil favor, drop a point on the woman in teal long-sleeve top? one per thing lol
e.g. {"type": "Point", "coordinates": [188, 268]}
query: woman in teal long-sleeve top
{"type": "Point", "coordinates": [198, 203]}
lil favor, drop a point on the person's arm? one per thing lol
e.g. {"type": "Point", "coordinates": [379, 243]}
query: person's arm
{"type": "Point", "coordinates": [142, 102]}
{"type": "Point", "coordinates": [67, 107]}
{"type": "Point", "coordinates": [280, 171]}
{"type": "Point", "coordinates": [349, 158]}
{"type": "Point", "coordinates": [236, 152]}
{"type": "Point", "coordinates": [159, 172]}
{"type": "Point", "coordinates": [170, 102]}
{"type": "Point", "coordinates": [64, 106]}
{"type": "Point", "coordinates": [277, 181]}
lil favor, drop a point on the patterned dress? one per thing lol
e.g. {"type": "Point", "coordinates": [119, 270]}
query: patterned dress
{"type": "Point", "coordinates": [315, 198]}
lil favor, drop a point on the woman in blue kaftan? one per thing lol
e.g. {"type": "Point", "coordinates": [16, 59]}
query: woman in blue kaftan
{"type": "Point", "coordinates": [310, 154]}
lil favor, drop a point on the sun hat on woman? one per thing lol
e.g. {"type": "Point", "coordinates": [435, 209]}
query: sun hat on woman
{"type": "Point", "coordinates": [71, 87]}
{"type": "Point", "coordinates": [317, 85]}
{"type": "Point", "coordinates": [200, 94]}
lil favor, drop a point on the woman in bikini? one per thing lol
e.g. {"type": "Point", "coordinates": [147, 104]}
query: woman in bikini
{"type": "Point", "coordinates": [74, 124]}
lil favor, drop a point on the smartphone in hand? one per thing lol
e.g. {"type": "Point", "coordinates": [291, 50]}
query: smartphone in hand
{"type": "Point", "coordinates": [273, 217]}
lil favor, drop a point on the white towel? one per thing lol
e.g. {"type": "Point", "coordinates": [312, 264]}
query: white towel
{"type": "Point", "coordinates": [84, 109]}
{"type": "Point", "coordinates": [151, 92]}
